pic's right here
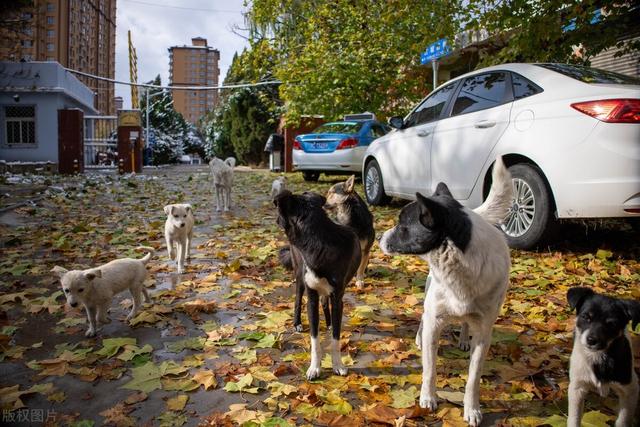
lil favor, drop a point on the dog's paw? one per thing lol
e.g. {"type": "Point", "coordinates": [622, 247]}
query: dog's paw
{"type": "Point", "coordinates": [313, 372]}
{"type": "Point", "coordinates": [90, 333]}
{"type": "Point", "coordinates": [217, 209]}
{"type": "Point", "coordinates": [419, 341]}
{"type": "Point", "coordinates": [429, 402]}
{"type": "Point", "coordinates": [297, 328]}
{"type": "Point", "coordinates": [473, 416]}
{"type": "Point", "coordinates": [360, 284]}
{"type": "Point", "coordinates": [464, 344]}
{"type": "Point", "coordinates": [180, 270]}
{"type": "Point", "coordinates": [340, 370]}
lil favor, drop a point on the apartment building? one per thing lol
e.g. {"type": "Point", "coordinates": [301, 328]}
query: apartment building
{"type": "Point", "coordinates": [79, 34]}
{"type": "Point", "coordinates": [195, 65]}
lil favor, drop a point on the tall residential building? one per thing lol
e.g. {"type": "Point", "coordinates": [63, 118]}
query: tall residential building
{"type": "Point", "coordinates": [195, 65]}
{"type": "Point", "coordinates": [79, 34]}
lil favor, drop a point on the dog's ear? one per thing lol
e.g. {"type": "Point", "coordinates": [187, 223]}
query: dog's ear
{"type": "Point", "coordinates": [59, 271]}
{"type": "Point", "coordinates": [283, 200]}
{"type": "Point", "coordinates": [431, 213]}
{"type": "Point", "coordinates": [168, 209]}
{"type": "Point", "coordinates": [632, 309]}
{"type": "Point", "coordinates": [92, 274]}
{"type": "Point", "coordinates": [577, 296]}
{"type": "Point", "coordinates": [188, 207]}
{"type": "Point", "coordinates": [442, 190]}
{"type": "Point", "coordinates": [348, 185]}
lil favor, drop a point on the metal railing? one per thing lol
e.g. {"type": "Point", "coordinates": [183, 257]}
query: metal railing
{"type": "Point", "coordinates": [100, 141]}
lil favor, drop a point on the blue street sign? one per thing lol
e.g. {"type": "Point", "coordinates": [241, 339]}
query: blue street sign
{"type": "Point", "coordinates": [434, 51]}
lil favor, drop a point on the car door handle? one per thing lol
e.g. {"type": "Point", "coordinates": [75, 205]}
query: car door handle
{"type": "Point", "coordinates": [483, 124]}
{"type": "Point", "coordinates": [423, 133]}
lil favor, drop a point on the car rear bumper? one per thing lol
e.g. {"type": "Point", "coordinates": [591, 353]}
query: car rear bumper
{"type": "Point", "coordinates": [340, 160]}
{"type": "Point", "coordinates": [600, 178]}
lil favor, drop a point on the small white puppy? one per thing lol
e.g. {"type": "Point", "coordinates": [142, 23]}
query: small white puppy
{"type": "Point", "coordinates": [94, 288]}
{"type": "Point", "coordinates": [178, 231]}
{"type": "Point", "coordinates": [279, 184]}
{"type": "Point", "coordinates": [222, 174]}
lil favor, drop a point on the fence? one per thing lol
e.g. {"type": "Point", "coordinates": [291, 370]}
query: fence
{"type": "Point", "coordinates": [100, 141]}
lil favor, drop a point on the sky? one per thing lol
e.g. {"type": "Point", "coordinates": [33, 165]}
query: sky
{"type": "Point", "coordinates": [157, 25]}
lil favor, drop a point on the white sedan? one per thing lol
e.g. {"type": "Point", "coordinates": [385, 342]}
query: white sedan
{"type": "Point", "coordinates": [570, 136]}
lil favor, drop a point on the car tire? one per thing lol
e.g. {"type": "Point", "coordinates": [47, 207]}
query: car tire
{"type": "Point", "coordinates": [311, 176]}
{"type": "Point", "coordinates": [373, 185]}
{"type": "Point", "coordinates": [531, 217]}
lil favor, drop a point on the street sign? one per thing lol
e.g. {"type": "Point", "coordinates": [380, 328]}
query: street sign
{"type": "Point", "coordinates": [434, 51]}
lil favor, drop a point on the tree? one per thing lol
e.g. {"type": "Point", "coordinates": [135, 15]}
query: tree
{"type": "Point", "coordinates": [247, 116]}
{"type": "Point", "coordinates": [555, 30]}
{"type": "Point", "coordinates": [345, 57]}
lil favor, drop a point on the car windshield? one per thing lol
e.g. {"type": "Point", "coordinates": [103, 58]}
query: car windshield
{"type": "Point", "coordinates": [342, 127]}
{"type": "Point", "coordinates": [591, 75]}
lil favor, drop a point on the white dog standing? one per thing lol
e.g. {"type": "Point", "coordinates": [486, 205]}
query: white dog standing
{"type": "Point", "coordinates": [222, 174]}
{"type": "Point", "coordinates": [94, 288]}
{"type": "Point", "coordinates": [178, 232]}
{"type": "Point", "coordinates": [279, 185]}
{"type": "Point", "coordinates": [469, 274]}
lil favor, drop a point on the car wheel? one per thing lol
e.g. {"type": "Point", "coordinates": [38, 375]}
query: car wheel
{"type": "Point", "coordinates": [530, 219]}
{"type": "Point", "coordinates": [311, 176]}
{"type": "Point", "coordinates": [373, 185]}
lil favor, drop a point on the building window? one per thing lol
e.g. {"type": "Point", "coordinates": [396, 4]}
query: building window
{"type": "Point", "coordinates": [50, 47]}
{"type": "Point", "coordinates": [49, 20]}
{"type": "Point", "coordinates": [51, 34]}
{"type": "Point", "coordinates": [50, 58]}
{"type": "Point", "coordinates": [20, 125]}
{"type": "Point", "coordinates": [50, 7]}
{"type": "Point", "coordinates": [26, 43]}
{"type": "Point", "coordinates": [27, 16]}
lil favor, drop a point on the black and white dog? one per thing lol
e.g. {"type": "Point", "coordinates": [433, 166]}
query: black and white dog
{"type": "Point", "coordinates": [602, 358]}
{"type": "Point", "coordinates": [325, 256]}
{"type": "Point", "coordinates": [353, 212]}
{"type": "Point", "coordinates": [469, 265]}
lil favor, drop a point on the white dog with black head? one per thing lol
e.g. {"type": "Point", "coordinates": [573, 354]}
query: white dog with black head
{"type": "Point", "coordinates": [469, 265]}
{"type": "Point", "coordinates": [178, 232]}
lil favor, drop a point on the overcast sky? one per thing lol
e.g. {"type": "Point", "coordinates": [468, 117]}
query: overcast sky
{"type": "Point", "coordinates": [157, 25]}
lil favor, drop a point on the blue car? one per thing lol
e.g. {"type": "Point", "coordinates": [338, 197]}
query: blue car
{"type": "Point", "coordinates": [336, 147]}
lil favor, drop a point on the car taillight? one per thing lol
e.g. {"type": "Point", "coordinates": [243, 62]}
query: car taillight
{"type": "Point", "coordinates": [611, 110]}
{"type": "Point", "coordinates": [296, 145]}
{"type": "Point", "coordinates": [347, 143]}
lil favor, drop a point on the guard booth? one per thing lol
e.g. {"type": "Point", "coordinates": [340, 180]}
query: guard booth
{"type": "Point", "coordinates": [130, 144]}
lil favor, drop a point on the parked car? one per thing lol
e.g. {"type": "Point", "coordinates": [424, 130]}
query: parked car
{"type": "Point", "coordinates": [336, 147]}
{"type": "Point", "coordinates": [570, 136]}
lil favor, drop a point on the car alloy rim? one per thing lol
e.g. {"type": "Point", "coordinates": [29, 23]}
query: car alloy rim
{"type": "Point", "coordinates": [372, 183]}
{"type": "Point", "coordinates": [522, 210]}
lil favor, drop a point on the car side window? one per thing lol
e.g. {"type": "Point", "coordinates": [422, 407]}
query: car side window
{"type": "Point", "coordinates": [378, 131]}
{"type": "Point", "coordinates": [523, 87]}
{"type": "Point", "coordinates": [431, 107]}
{"type": "Point", "coordinates": [480, 92]}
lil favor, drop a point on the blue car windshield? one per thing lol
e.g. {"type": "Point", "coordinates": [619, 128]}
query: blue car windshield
{"type": "Point", "coordinates": [342, 127]}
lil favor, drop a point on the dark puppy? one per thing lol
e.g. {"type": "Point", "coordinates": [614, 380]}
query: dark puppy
{"type": "Point", "coordinates": [602, 359]}
{"type": "Point", "coordinates": [352, 211]}
{"type": "Point", "coordinates": [325, 257]}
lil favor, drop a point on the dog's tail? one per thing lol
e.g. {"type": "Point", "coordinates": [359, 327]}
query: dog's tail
{"type": "Point", "coordinates": [231, 161]}
{"type": "Point", "coordinates": [285, 258]}
{"type": "Point", "coordinates": [147, 257]}
{"type": "Point", "coordinates": [495, 208]}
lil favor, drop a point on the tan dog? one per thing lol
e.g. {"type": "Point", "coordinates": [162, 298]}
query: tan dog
{"type": "Point", "coordinates": [353, 212]}
{"type": "Point", "coordinates": [94, 288]}
{"type": "Point", "coordinates": [178, 232]}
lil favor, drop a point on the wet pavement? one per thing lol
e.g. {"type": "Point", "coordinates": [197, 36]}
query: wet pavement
{"type": "Point", "coordinates": [228, 319]}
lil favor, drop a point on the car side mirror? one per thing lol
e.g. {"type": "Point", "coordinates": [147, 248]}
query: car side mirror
{"type": "Point", "coordinates": [396, 122]}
